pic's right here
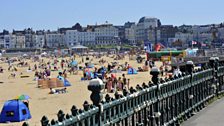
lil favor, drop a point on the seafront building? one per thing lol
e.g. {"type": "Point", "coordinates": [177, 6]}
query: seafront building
{"type": "Point", "coordinates": [147, 29]}
{"type": "Point", "coordinates": [72, 37]}
{"type": "Point", "coordinates": [54, 39]}
{"type": "Point", "coordinates": [106, 34]}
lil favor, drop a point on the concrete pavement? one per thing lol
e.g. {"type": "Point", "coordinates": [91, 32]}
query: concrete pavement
{"type": "Point", "coordinates": [212, 115]}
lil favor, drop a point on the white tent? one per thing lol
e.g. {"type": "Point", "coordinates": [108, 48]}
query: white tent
{"type": "Point", "coordinates": [79, 48]}
{"type": "Point", "coordinates": [44, 53]}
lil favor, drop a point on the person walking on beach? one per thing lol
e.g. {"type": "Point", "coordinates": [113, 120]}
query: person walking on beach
{"type": "Point", "coordinates": [124, 81]}
{"type": "Point", "coordinates": [119, 83]}
{"type": "Point", "coordinates": [62, 64]}
{"type": "Point", "coordinates": [47, 72]}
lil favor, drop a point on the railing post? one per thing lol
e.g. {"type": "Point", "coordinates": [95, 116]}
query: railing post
{"type": "Point", "coordinates": [61, 116]}
{"type": "Point", "coordinates": [190, 68]}
{"type": "Point", "coordinates": [155, 73]}
{"type": "Point", "coordinates": [25, 124]}
{"type": "Point", "coordinates": [96, 85]}
{"type": "Point", "coordinates": [44, 121]}
{"type": "Point", "coordinates": [213, 64]}
{"type": "Point", "coordinates": [216, 75]}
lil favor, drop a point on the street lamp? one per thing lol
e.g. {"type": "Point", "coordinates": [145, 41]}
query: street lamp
{"type": "Point", "coordinates": [155, 79]}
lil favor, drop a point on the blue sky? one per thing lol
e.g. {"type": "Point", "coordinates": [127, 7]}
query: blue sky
{"type": "Point", "coordinates": [51, 14]}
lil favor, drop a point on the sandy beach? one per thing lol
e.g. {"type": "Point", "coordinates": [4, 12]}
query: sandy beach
{"type": "Point", "coordinates": [43, 103]}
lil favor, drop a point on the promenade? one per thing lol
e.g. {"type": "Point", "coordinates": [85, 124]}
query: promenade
{"type": "Point", "coordinates": [212, 115]}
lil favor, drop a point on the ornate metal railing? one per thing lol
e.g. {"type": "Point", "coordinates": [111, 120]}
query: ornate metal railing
{"type": "Point", "coordinates": [160, 102]}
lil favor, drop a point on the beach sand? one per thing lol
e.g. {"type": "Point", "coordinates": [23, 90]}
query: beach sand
{"type": "Point", "coordinates": [42, 103]}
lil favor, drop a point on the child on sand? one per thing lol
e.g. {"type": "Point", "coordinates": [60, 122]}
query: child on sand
{"type": "Point", "coordinates": [124, 81]}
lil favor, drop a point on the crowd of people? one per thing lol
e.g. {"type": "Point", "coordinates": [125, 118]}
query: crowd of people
{"type": "Point", "coordinates": [113, 83]}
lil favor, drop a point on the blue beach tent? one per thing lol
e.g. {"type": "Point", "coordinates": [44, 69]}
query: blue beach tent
{"type": "Point", "coordinates": [132, 71]}
{"type": "Point", "coordinates": [14, 111]}
{"type": "Point", "coordinates": [67, 83]}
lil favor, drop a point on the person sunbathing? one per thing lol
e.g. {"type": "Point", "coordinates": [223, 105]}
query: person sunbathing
{"type": "Point", "coordinates": [52, 91]}
{"type": "Point", "coordinates": [58, 91]}
{"type": "Point", "coordinates": [12, 75]}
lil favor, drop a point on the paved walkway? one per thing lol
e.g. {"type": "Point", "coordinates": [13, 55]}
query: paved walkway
{"type": "Point", "coordinates": [212, 115]}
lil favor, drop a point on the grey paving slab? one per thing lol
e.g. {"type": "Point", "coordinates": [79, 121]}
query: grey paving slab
{"type": "Point", "coordinates": [212, 115]}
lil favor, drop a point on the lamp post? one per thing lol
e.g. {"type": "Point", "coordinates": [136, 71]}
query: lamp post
{"type": "Point", "coordinates": [155, 79]}
{"type": "Point", "coordinates": [189, 69]}
{"type": "Point", "coordinates": [96, 85]}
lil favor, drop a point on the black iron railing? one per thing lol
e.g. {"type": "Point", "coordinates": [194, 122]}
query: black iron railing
{"type": "Point", "coordinates": [161, 102]}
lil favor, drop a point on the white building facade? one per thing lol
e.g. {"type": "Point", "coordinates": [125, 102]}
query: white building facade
{"type": "Point", "coordinates": [86, 38]}
{"type": "Point", "coordinates": [19, 41]}
{"type": "Point", "coordinates": [38, 41]}
{"type": "Point", "coordinates": [54, 39]}
{"type": "Point", "coordinates": [73, 37]}
{"type": "Point", "coordinates": [106, 34]}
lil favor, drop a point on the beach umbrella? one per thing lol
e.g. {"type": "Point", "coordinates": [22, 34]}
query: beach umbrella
{"type": "Point", "coordinates": [23, 97]}
{"type": "Point", "coordinates": [44, 53]}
